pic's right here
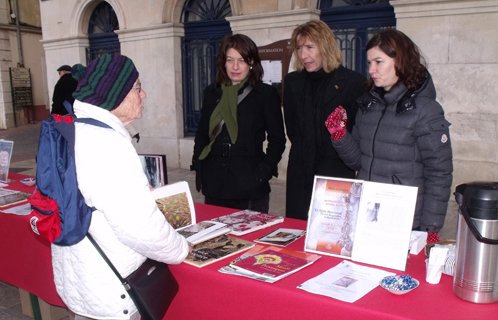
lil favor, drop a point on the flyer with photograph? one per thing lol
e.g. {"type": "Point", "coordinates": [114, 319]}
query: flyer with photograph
{"type": "Point", "coordinates": [364, 221]}
{"type": "Point", "coordinates": [346, 281]}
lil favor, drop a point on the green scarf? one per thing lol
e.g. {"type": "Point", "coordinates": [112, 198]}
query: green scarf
{"type": "Point", "coordinates": [225, 110]}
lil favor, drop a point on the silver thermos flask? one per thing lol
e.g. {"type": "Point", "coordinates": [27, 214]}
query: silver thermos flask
{"type": "Point", "coordinates": [476, 269]}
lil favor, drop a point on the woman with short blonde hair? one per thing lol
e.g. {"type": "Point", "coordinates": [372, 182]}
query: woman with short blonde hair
{"type": "Point", "coordinates": [318, 32]}
{"type": "Point", "coordinates": [311, 93]}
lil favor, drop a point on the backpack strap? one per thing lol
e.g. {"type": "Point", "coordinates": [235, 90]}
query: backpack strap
{"type": "Point", "coordinates": [68, 107]}
{"type": "Point", "coordinates": [94, 122]}
{"type": "Point", "coordinates": [85, 120]}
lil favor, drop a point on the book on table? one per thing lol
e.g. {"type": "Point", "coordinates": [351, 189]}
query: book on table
{"type": "Point", "coordinates": [281, 237]}
{"type": "Point", "coordinates": [175, 202]}
{"type": "Point", "coordinates": [216, 249]}
{"type": "Point", "coordinates": [203, 231]}
{"type": "Point", "coordinates": [364, 221]}
{"type": "Point", "coordinates": [11, 197]}
{"type": "Point", "coordinates": [269, 264]}
{"type": "Point", "coordinates": [247, 221]}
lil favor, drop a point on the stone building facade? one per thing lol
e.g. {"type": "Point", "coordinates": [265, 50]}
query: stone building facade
{"type": "Point", "coordinates": [20, 46]}
{"type": "Point", "coordinates": [457, 37]}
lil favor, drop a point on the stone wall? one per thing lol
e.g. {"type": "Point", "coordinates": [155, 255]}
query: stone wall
{"type": "Point", "coordinates": [460, 43]}
{"type": "Point", "coordinates": [457, 37]}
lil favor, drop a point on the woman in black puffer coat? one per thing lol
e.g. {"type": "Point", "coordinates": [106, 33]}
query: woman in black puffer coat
{"type": "Point", "coordinates": [401, 135]}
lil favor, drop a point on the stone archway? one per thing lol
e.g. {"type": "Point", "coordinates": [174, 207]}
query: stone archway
{"type": "Point", "coordinates": [173, 9]}
{"type": "Point", "coordinates": [83, 9]}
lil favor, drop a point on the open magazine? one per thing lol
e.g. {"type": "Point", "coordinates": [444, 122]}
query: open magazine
{"type": "Point", "coordinates": [175, 202]}
{"type": "Point", "coordinates": [361, 220]}
{"type": "Point", "coordinates": [215, 249]}
{"type": "Point", "coordinates": [203, 231]}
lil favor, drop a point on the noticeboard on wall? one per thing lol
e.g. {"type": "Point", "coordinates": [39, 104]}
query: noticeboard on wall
{"type": "Point", "coordinates": [275, 59]}
{"type": "Point", "coordinates": [22, 95]}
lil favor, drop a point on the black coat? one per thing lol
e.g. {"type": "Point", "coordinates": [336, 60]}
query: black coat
{"type": "Point", "coordinates": [242, 170]}
{"type": "Point", "coordinates": [403, 138]}
{"type": "Point", "coordinates": [63, 91]}
{"type": "Point", "coordinates": [311, 152]}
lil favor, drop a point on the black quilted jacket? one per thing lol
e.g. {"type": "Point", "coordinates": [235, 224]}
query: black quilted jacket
{"type": "Point", "coordinates": [403, 138]}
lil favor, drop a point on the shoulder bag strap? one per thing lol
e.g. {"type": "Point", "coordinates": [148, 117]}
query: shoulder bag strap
{"type": "Point", "coordinates": [104, 256]}
{"type": "Point", "coordinates": [94, 122]}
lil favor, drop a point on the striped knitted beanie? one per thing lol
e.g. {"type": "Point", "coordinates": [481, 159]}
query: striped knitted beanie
{"type": "Point", "coordinates": [106, 81]}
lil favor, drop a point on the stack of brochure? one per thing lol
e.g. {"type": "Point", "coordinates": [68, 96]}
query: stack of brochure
{"type": "Point", "coordinates": [269, 264]}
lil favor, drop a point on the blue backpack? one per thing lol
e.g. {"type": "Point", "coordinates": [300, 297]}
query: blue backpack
{"type": "Point", "coordinates": [59, 212]}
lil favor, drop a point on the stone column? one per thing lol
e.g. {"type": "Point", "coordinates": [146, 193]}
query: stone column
{"type": "Point", "coordinates": [156, 51]}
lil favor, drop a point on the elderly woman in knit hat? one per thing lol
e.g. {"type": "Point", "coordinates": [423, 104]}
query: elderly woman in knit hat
{"type": "Point", "coordinates": [127, 224]}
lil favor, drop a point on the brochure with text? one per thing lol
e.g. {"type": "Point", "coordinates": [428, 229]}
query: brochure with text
{"type": "Point", "coordinates": [364, 221]}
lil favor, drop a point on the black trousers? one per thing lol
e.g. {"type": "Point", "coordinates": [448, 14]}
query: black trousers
{"type": "Point", "coordinates": [261, 204]}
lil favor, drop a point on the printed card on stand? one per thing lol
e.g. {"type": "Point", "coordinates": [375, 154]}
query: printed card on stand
{"type": "Point", "coordinates": [360, 220]}
{"type": "Point", "coordinates": [5, 156]}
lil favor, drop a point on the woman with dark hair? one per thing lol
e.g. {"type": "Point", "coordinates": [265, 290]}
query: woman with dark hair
{"type": "Point", "coordinates": [239, 112]}
{"type": "Point", "coordinates": [311, 93]}
{"type": "Point", "coordinates": [400, 135]}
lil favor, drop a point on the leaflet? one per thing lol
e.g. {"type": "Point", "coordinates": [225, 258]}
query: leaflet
{"type": "Point", "coordinates": [346, 282]}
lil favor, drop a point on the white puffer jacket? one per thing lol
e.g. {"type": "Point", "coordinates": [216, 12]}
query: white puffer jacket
{"type": "Point", "coordinates": [127, 224]}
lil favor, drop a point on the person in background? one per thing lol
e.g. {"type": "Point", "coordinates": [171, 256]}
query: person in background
{"type": "Point", "coordinates": [63, 90]}
{"type": "Point", "coordinates": [239, 112]}
{"type": "Point", "coordinates": [401, 135]}
{"type": "Point", "coordinates": [318, 86]}
{"type": "Point", "coordinates": [127, 223]}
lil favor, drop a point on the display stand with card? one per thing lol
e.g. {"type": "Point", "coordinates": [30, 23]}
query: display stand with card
{"type": "Point", "coordinates": [364, 221]}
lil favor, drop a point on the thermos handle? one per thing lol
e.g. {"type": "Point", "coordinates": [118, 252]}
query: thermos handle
{"type": "Point", "coordinates": [473, 229]}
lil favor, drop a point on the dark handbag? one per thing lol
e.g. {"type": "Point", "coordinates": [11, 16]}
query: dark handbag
{"type": "Point", "coordinates": [152, 286]}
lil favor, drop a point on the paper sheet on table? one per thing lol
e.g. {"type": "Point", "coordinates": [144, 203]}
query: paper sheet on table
{"type": "Point", "coordinates": [22, 210]}
{"type": "Point", "coordinates": [346, 281]}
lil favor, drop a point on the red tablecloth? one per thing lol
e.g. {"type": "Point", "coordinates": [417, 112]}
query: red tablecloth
{"type": "Point", "coordinates": [206, 293]}
{"type": "Point", "coordinates": [25, 260]}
